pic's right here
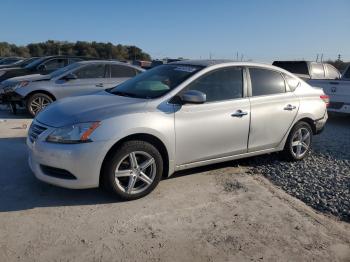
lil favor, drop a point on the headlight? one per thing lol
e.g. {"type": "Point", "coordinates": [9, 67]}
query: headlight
{"type": "Point", "coordinates": [77, 133]}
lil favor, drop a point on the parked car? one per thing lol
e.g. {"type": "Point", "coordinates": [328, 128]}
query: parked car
{"type": "Point", "coordinates": [309, 70]}
{"type": "Point", "coordinates": [143, 64]}
{"type": "Point", "coordinates": [338, 91]}
{"type": "Point", "coordinates": [44, 65]}
{"type": "Point", "coordinates": [20, 63]}
{"type": "Point", "coordinates": [35, 92]}
{"type": "Point", "coordinates": [173, 117]}
{"type": "Point", "coordinates": [156, 63]}
{"type": "Point", "coordinates": [10, 60]}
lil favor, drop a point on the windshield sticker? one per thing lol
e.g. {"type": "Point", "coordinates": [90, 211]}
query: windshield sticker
{"type": "Point", "coordinates": [189, 69]}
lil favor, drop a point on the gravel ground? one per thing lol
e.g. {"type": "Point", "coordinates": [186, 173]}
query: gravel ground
{"type": "Point", "coordinates": [322, 180]}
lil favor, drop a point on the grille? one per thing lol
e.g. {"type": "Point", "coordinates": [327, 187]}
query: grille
{"type": "Point", "coordinates": [335, 105]}
{"type": "Point", "coordinates": [34, 131]}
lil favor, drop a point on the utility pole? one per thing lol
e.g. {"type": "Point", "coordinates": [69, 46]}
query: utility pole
{"type": "Point", "coordinates": [317, 58]}
{"type": "Point", "coordinates": [321, 58]}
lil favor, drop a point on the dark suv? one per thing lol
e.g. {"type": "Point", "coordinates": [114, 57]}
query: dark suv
{"type": "Point", "coordinates": [44, 65]}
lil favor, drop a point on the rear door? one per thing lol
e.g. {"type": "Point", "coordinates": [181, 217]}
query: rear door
{"type": "Point", "coordinates": [273, 109]}
{"type": "Point", "coordinates": [214, 129]}
{"type": "Point", "coordinates": [90, 79]}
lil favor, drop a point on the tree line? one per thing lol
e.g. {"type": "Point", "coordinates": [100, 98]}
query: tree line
{"type": "Point", "coordinates": [79, 48]}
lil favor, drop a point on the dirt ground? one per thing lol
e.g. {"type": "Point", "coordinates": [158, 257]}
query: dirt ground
{"type": "Point", "coordinates": [217, 213]}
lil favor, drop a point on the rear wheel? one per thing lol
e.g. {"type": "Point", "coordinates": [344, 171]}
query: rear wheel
{"type": "Point", "coordinates": [37, 102]}
{"type": "Point", "coordinates": [299, 142]}
{"type": "Point", "coordinates": [134, 170]}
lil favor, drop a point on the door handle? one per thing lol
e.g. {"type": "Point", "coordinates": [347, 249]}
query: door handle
{"type": "Point", "coordinates": [239, 113]}
{"type": "Point", "coordinates": [290, 107]}
{"type": "Point", "coordinates": [99, 85]}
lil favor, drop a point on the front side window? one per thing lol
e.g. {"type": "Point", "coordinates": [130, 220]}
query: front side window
{"type": "Point", "coordinates": [156, 82]}
{"type": "Point", "coordinates": [219, 85]}
{"type": "Point", "coordinates": [332, 73]}
{"type": "Point", "coordinates": [122, 71]}
{"type": "Point", "coordinates": [54, 64]}
{"type": "Point", "coordinates": [91, 71]}
{"type": "Point", "coordinates": [266, 82]}
{"type": "Point", "coordinates": [317, 71]}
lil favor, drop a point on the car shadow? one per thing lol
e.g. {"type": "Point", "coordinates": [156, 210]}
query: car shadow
{"type": "Point", "coordinates": [5, 113]}
{"type": "Point", "coordinates": [20, 190]}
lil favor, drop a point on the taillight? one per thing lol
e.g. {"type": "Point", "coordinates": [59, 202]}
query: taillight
{"type": "Point", "coordinates": [325, 99]}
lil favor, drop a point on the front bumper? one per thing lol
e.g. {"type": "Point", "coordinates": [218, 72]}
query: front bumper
{"type": "Point", "coordinates": [10, 97]}
{"type": "Point", "coordinates": [83, 161]}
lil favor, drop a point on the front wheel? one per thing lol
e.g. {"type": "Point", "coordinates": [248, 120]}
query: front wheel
{"type": "Point", "coordinates": [37, 102]}
{"type": "Point", "coordinates": [299, 142]}
{"type": "Point", "coordinates": [134, 170]}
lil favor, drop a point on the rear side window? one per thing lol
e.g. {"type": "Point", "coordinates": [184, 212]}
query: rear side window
{"type": "Point", "coordinates": [332, 72]}
{"type": "Point", "coordinates": [219, 85]}
{"type": "Point", "coordinates": [317, 71]}
{"type": "Point", "coordinates": [91, 71]}
{"type": "Point", "coordinates": [266, 82]}
{"type": "Point", "coordinates": [292, 82]}
{"type": "Point", "coordinates": [122, 71]}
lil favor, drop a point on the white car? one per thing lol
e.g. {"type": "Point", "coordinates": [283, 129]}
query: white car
{"type": "Point", "coordinates": [338, 91]}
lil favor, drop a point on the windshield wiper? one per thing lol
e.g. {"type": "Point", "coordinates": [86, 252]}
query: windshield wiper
{"type": "Point", "coordinates": [120, 93]}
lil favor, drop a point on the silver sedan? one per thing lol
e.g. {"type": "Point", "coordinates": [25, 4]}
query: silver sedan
{"type": "Point", "coordinates": [81, 78]}
{"type": "Point", "coordinates": [173, 117]}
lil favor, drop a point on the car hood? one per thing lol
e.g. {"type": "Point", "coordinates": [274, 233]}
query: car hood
{"type": "Point", "coordinates": [88, 108]}
{"type": "Point", "coordinates": [35, 77]}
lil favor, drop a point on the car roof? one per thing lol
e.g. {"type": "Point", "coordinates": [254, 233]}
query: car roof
{"type": "Point", "coordinates": [208, 63]}
{"type": "Point", "coordinates": [108, 62]}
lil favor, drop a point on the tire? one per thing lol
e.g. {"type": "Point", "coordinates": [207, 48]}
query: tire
{"type": "Point", "coordinates": [128, 180]}
{"type": "Point", "coordinates": [299, 142]}
{"type": "Point", "coordinates": [37, 102]}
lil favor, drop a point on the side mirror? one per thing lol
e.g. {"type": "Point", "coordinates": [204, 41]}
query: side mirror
{"type": "Point", "coordinates": [70, 76]}
{"type": "Point", "coordinates": [193, 97]}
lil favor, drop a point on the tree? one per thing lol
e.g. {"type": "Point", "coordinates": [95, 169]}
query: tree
{"type": "Point", "coordinates": [79, 48]}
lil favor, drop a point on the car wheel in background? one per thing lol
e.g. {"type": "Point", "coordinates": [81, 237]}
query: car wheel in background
{"type": "Point", "coordinates": [299, 142]}
{"type": "Point", "coordinates": [37, 102]}
{"type": "Point", "coordinates": [134, 170]}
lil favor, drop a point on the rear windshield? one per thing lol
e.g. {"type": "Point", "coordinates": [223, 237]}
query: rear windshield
{"type": "Point", "coordinates": [293, 67]}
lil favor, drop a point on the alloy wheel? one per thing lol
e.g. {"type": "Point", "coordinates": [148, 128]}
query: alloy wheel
{"type": "Point", "coordinates": [38, 104]}
{"type": "Point", "coordinates": [301, 142]}
{"type": "Point", "coordinates": [135, 172]}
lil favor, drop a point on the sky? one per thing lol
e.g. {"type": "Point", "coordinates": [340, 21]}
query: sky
{"type": "Point", "coordinates": [260, 30]}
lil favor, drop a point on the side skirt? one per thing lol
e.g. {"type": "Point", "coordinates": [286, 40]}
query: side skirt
{"type": "Point", "coordinates": [227, 158]}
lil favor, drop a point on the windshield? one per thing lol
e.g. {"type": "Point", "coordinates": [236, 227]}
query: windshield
{"type": "Point", "coordinates": [156, 82]}
{"type": "Point", "coordinates": [28, 61]}
{"type": "Point", "coordinates": [62, 70]}
{"type": "Point", "coordinates": [35, 63]}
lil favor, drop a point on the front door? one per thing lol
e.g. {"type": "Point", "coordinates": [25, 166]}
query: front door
{"type": "Point", "coordinates": [90, 79]}
{"type": "Point", "coordinates": [220, 126]}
